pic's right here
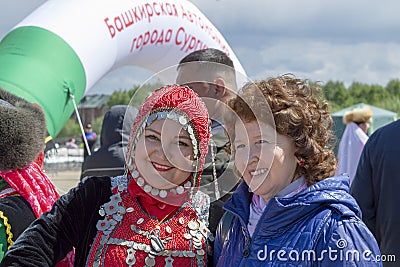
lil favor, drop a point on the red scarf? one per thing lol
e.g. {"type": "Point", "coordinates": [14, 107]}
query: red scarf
{"type": "Point", "coordinates": [36, 188]}
{"type": "Point", "coordinates": [156, 207]}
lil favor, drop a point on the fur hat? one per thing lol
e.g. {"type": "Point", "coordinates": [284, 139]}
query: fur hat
{"type": "Point", "coordinates": [22, 131]}
{"type": "Point", "coordinates": [358, 115]}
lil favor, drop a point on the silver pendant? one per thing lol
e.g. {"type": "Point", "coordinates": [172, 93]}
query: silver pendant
{"type": "Point", "coordinates": [169, 261]}
{"type": "Point", "coordinates": [193, 225]}
{"type": "Point", "coordinates": [149, 261]}
{"type": "Point", "coordinates": [155, 240]}
{"type": "Point", "coordinates": [102, 212]}
{"type": "Point", "coordinates": [130, 258]}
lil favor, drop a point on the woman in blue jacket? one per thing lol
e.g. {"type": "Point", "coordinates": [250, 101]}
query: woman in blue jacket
{"type": "Point", "coordinates": [290, 210]}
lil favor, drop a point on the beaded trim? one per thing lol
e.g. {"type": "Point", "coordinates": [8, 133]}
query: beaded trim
{"type": "Point", "coordinates": [178, 190]}
{"type": "Point", "coordinates": [216, 186]}
{"type": "Point", "coordinates": [8, 229]}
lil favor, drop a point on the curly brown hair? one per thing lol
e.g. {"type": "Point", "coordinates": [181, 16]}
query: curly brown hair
{"type": "Point", "coordinates": [297, 114]}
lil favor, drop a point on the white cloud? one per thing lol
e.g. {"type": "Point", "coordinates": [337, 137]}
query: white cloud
{"type": "Point", "coordinates": [323, 40]}
{"type": "Point", "coordinates": [365, 62]}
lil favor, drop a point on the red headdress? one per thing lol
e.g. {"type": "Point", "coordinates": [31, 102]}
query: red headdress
{"type": "Point", "coordinates": [182, 104]}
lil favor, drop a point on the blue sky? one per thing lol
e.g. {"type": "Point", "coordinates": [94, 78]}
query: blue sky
{"type": "Point", "coordinates": [320, 40]}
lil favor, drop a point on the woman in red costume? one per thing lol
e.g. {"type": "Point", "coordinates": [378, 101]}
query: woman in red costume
{"type": "Point", "coordinates": [153, 215]}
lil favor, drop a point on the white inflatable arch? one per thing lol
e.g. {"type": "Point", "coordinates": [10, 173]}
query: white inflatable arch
{"type": "Point", "coordinates": [65, 46]}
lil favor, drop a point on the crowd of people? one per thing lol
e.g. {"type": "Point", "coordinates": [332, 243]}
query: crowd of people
{"type": "Point", "coordinates": [205, 174]}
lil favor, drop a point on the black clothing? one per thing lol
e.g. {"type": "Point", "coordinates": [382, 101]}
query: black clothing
{"type": "Point", "coordinates": [376, 188]}
{"type": "Point", "coordinates": [109, 159]}
{"type": "Point", "coordinates": [13, 207]}
{"type": "Point", "coordinates": [52, 244]}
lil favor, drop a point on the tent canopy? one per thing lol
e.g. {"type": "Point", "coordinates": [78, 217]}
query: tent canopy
{"type": "Point", "coordinates": [380, 117]}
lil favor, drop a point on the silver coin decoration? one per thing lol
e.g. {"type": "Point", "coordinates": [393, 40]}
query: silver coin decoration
{"type": "Point", "coordinates": [163, 193]}
{"type": "Point", "coordinates": [182, 120]}
{"type": "Point", "coordinates": [154, 191]}
{"type": "Point", "coordinates": [149, 261]}
{"type": "Point", "coordinates": [140, 181]}
{"type": "Point", "coordinates": [193, 225]}
{"type": "Point", "coordinates": [135, 174]}
{"type": "Point", "coordinates": [147, 188]}
{"type": "Point", "coordinates": [179, 190]}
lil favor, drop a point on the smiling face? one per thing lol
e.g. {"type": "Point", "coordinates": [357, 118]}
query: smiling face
{"type": "Point", "coordinates": [264, 158]}
{"type": "Point", "coordinates": [164, 154]}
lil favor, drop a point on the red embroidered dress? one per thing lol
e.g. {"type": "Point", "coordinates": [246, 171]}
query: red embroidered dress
{"type": "Point", "coordinates": [134, 238]}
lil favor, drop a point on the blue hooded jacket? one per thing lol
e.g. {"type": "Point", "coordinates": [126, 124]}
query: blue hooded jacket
{"type": "Point", "coordinates": [320, 226]}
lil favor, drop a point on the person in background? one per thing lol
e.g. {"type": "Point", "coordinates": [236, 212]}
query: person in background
{"type": "Point", "coordinates": [353, 140]}
{"type": "Point", "coordinates": [109, 159]}
{"type": "Point", "coordinates": [154, 215]}
{"type": "Point", "coordinates": [289, 202]}
{"type": "Point", "coordinates": [211, 74]}
{"type": "Point", "coordinates": [375, 187]}
{"type": "Point", "coordinates": [70, 144]}
{"type": "Point", "coordinates": [25, 190]}
{"type": "Point", "coordinates": [91, 138]}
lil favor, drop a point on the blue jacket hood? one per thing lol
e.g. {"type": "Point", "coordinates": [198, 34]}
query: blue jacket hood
{"type": "Point", "coordinates": [282, 212]}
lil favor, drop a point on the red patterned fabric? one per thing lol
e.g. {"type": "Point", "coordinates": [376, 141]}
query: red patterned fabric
{"type": "Point", "coordinates": [111, 255]}
{"type": "Point", "coordinates": [33, 185]}
{"type": "Point", "coordinates": [36, 188]}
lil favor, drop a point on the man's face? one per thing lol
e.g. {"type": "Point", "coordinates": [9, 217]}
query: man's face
{"type": "Point", "coordinates": [190, 75]}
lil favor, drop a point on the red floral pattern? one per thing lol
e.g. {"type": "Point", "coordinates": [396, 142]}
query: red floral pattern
{"type": "Point", "coordinates": [104, 253]}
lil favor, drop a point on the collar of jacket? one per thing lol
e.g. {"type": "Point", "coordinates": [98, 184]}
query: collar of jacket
{"type": "Point", "coordinates": [281, 213]}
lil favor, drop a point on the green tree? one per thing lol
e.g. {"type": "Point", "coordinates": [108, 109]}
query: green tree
{"type": "Point", "coordinates": [134, 96]}
{"type": "Point", "coordinates": [393, 87]}
{"type": "Point", "coordinates": [336, 94]}
{"type": "Point", "coordinates": [70, 129]}
{"type": "Point", "coordinates": [120, 97]}
{"type": "Point", "coordinates": [376, 94]}
{"type": "Point", "coordinates": [358, 93]}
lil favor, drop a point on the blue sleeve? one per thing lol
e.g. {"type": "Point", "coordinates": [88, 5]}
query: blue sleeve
{"type": "Point", "coordinates": [362, 188]}
{"type": "Point", "coordinates": [218, 242]}
{"type": "Point", "coordinates": [350, 243]}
